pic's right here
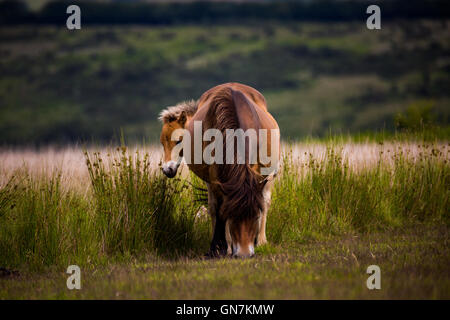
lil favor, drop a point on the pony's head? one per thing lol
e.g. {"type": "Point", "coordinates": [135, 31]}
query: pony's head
{"type": "Point", "coordinates": [241, 236]}
{"type": "Point", "coordinates": [242, 209]}
{"type": "Point", "coordinates": [174, 118]}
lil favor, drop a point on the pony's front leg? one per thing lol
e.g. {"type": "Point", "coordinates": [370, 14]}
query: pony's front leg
{"type": "Point", "coordinates": [267, 194]}
{"type": "Point", "coordinates": [212, 205]}
{"type": "Point", "coordinates": [218, 244]}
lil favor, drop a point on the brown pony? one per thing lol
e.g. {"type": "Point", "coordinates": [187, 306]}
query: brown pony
{"type": "Point", "coordinates": [239, 194]}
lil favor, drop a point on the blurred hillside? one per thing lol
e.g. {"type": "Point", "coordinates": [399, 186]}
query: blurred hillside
{"type": "Point", "coordinates": [60, 86]}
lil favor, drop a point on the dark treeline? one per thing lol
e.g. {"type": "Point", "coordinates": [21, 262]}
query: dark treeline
{"type": "Point", "coordinates": [16, 12]}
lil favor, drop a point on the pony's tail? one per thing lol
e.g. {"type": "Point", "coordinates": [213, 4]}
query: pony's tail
{"type": "Point", "coordinates": [240, 184]}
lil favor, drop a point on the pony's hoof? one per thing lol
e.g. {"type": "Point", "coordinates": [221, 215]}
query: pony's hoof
{"type": "Point", "coordinates": [207, 256]}
{"type": "Point", "coordinates": [261, 242]}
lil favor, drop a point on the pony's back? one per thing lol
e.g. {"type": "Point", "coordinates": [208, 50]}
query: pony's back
{"type": "Point", "coordinates": [240, 184]}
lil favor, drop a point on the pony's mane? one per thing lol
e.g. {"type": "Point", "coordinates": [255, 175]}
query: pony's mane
{"type": "Point", "coordinates": [239, 183]}
{"type": "Point", "coordinates": [172, 113]}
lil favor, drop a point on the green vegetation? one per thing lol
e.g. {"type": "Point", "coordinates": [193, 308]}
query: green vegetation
{"type": "Point", "coordinates": [334, 199]}
{"type": "Point", "coordinates": [129, 211]}
{"type": "Point", "coordinates": [58, 86]}
{"type": "Point", "coordinates": [328, 222]}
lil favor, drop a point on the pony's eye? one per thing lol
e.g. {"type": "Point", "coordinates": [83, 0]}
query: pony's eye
{"type": "Point", "coordinates": [179, 141]}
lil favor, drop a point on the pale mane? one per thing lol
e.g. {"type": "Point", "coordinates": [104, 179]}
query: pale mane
{"type": "Point", "coordinates": [173, 113]}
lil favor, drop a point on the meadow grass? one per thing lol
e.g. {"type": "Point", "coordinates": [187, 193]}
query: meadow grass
{"type": "Point", "coordinates": [132, 217]}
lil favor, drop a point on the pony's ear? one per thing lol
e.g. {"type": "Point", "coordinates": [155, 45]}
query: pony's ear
{"type": "Point", "coordinates": [182, 118]}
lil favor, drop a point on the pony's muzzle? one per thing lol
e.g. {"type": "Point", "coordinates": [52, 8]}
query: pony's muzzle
{"type": "Point", "coordinates": [170, 169]}
{"type": "Point", "coordinates": [241, 252]}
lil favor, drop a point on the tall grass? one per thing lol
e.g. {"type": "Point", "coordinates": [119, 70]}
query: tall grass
{"type": "Point", "coordinates": [138, 209]}
{"type": "Point", "coordinates": [132, 211]}
{"type": "Point", "coordinates": [326, 197]}
{"type": "Point", "coordinates": [40, 225]}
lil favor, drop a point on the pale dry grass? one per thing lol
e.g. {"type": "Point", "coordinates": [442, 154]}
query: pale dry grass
{"type": "Point", "coordinates": [360, 156]}
{"type": "Point", "coordinates": [70, 161]}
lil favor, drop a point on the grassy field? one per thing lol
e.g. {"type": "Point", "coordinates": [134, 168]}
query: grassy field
{"type": "Point", "coordinates": [367, 184]}
{"type": "Point", "coordinates": [414, 265]}
{"type": "Point", "coordinates": [337, 208]}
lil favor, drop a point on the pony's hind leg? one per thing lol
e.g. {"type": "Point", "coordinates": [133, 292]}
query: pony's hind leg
{"type": "Point", "coordinates": [267, 194]}
{"type": "Point", "coordinates": [228, 238]}
{"type": "Point", "coordinates": [262, 230]}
